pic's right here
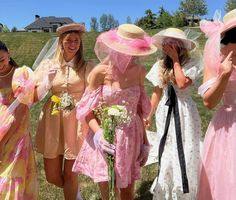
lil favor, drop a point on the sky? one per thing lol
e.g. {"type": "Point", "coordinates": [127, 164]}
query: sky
{"type": "Point", "coordinates": [20, 13]}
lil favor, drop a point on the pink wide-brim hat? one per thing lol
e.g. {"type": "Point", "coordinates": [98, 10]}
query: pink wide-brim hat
{"type": "Point", "coordinates": [175, 34]}
{"type": "Point", "coordinates": [128, 39]}
{"type": "Point", "coordinates": [229, 21]}
{"type": "Point", "coordinates": [70, 27]}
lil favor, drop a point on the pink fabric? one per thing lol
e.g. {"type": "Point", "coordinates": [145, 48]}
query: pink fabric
{"type": "Point", "coordinates": [212, 57]}
{"type": "Point", "coordinates": [218, 170]}
{"type": "Point", "coordinates": [136, 43]}
{"type": "Point", "coordinates": [119, 60]}
{"type": "Point", "coordinates": [128, 141]}
{"type": "Point", "coordinates": [6, 119]}
{"type": "Point", "coordinates": [205, 86]}
{"type": "Point", "coordinates": [87, 103]}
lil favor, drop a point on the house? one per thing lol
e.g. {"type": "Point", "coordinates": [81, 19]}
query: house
{"type": "Point", "coordinates": [196, 20]}
{"type": "Point", "coordinates": [47, 24]}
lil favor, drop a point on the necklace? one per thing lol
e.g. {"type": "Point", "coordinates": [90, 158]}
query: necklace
{"type": "Point", "coordinates": [4, 75]}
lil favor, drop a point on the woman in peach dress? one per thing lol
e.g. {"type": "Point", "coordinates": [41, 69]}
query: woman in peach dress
{"type": "Point", "coordinates": [59, 134]}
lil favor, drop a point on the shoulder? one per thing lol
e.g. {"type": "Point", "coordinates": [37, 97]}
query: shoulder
{"type": "Point", "coordinates": [97, 75]}
{"type": "Point", "coordinates": [89, 65]}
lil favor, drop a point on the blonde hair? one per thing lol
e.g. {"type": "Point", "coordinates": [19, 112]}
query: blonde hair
{"type": "Point", "coordinates": [79, 56]}
{"type": "Point", "coordinates": [166, 72]}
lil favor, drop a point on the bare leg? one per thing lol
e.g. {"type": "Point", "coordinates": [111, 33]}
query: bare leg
{"type": "Point", "coordinates": [127, 193]}
{"type": "Point", "coordinates": [103, 186]}
{"type": "Point", "coordinates": [70, 181]}
{"type": "Point", "coordinates": [53, 171]}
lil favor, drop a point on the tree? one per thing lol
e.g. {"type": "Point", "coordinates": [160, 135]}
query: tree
{"type": "Point", "coordinates": [230, 5]}
{"type": "Point", "coordinates": [193, 8]}
{"type": "Point", "coordinates": [165, 19]}
{"type": "Point", "coordinates": [178, 20]}
{"type": "Point", "coordinates": [148, 21]}
{"type": "Point", "coordinates": [108, 22]}
{"type": "Point", "coordinates": [14, 29]}
{"type": "Point", "coordinates": [128, 20]}
{"type": "Point", "coordinates": [94, 24]}
{"type": "Point", "coordinates": [111, 22]}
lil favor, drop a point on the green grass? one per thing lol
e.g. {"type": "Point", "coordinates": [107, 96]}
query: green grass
{"type": "Point", "coordinates": [24, 49]}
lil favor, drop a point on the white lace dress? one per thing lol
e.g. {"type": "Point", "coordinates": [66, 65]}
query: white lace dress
{"type": "Point", "coordinates": [169, 184]}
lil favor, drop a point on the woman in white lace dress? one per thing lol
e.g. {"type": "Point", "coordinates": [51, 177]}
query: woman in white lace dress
{"type": "Point", "coordinates": [179, 148]}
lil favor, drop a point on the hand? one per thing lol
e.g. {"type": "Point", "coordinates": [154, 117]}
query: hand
{"type": "Point", "coordinates": [147, 122]}
{"type": "Point", "coordinates": [52, 72]}
{"type": "Point", "coordinates": [143, 157]}
{"type": "Point", "coordinates": [227, 65]}
{"type": "Point", "coordinates": [171, 52]}
{"type": "Point", "coordinates": [102, 144]}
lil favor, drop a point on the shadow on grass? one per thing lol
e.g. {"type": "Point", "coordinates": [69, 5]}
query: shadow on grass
{"type": "Point", "coordinates": [143, 192]}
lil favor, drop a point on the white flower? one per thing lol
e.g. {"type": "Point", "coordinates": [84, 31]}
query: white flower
{"type": "Point", "coordinates": [113, 112]}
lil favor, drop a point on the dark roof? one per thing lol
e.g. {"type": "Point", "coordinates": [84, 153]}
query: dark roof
{"type": "Point", "coordinates": [45, 22]}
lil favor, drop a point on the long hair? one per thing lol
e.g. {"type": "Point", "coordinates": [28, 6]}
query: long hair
{"type": "Point", "coordinates": [79, 56]}
{"type": "Point", "coordinates": [166, 72]}
{"type": "Point", "coordinates": [3, 47]}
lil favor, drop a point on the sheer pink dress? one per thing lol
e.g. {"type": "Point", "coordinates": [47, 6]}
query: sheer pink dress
{"type": "Point", "coordinates": [218, 171]}
{"type": "Point", "coordinates": [128, 141]}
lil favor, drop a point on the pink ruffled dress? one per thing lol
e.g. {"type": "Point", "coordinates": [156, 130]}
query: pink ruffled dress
{"type": "Point", "coordinates": [129, 139]}
{"type": "Point", "coordinates": [218, 170]}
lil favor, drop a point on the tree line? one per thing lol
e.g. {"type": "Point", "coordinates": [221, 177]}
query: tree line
{"type": "Point", "coordinates": [187, 11]}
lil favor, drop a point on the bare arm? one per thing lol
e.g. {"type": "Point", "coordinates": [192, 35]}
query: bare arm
{"type": "Point", "coordinates": [155, 99]}
{"type": "Point", "coordinates": [214, 94]}
{"type": "Point", "coordinates": [182, 81]}
{"type": "Point", "coordinates": [96, 78]}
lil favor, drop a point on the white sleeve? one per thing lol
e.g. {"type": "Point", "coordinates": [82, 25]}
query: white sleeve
{"type": "Point", "coordinates": [193, 69]}
{"type": "Point", "coordinates": [153, 75]}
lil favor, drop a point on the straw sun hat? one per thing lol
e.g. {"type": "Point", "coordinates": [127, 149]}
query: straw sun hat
{"type": "Point", "coordinates": [173, 33]}
{"type": "Point", "coordinates": [128, 39]}
{"type": "Point", "coordinates": [229, 21]}
{"type": "Point", "coordinates": [70, 27]}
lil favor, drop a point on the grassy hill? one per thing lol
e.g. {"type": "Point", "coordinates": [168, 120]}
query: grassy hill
{"type": "Point", "coordinates": [24, 48]}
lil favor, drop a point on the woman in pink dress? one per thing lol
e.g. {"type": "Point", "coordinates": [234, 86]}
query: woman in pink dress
{"type": "Point", "coordinates": [218, 170]}
{"type": "Point", "coordinates": [116, 79]}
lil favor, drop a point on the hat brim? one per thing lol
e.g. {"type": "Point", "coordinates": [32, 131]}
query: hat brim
{"type": "Point", "coordinates": [70, 27]}
{"type": "Point", "coordinates": [227, 27]}
{"type": "Point", "coordinates": [188, 44]}
{"type": "Point", "coordinates": [126, 49]}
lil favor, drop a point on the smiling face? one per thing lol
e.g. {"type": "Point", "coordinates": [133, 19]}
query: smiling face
{"type": "Point", "coordinates": [4, 60]}
{"type": "Point", "coordinates": [71, 44]}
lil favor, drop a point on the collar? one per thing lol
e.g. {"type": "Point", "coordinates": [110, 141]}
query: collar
{"type": "Point", "coordinates": [69, 64]}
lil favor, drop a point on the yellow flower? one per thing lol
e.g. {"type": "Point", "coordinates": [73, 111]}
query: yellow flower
{"type": "Point", "coordinates": [55, 112]}
{"type": "Point", "coordinates": [56, 104]}
{"type": "Point", "coordinates": [55, 99]}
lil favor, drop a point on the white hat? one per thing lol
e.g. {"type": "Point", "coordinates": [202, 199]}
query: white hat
{"type": "Point", "coordinates": [173, 33]}
{"type": "Point", "coordinates": [229, 21]}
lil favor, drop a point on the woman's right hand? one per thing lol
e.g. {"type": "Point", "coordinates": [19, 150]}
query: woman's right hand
{"type": "Point", "coordinates": [102, 144]}
{"type": "Point", "coordinates": [147, 122]}
{"type": "Point", "coordinates": [227, 66]}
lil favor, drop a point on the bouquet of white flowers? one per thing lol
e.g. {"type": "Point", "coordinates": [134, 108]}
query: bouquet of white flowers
{"type": "Point", "coordinates": [111, 117]}
{"type": "Point", "coordinates": [64, 102]}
